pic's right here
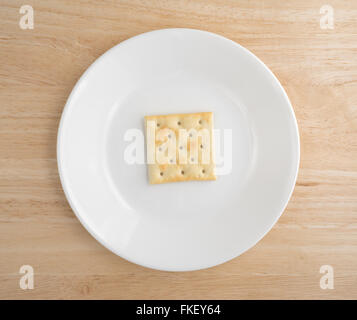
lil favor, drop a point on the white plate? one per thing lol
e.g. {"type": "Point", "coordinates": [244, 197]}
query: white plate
{"type": "Point", "coordinates": [186, 225]}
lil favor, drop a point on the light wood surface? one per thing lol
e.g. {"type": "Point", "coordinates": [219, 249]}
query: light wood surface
{"type": "Point", "coordinates": [318, 69]}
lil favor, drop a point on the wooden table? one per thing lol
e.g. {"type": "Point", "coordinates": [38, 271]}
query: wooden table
{"type": "Point", "coordinates": [316, 66]}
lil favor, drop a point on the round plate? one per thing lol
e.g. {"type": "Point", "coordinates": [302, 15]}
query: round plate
{"type": "Point", "coordinates": [185, 225]}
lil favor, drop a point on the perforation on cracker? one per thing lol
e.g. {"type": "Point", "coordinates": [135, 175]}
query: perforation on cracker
{"type": "Point", "coordinates": [180, 147]}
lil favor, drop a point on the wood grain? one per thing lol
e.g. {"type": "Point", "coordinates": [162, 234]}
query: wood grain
{"type": "Point", "coordinates": [318, 69]}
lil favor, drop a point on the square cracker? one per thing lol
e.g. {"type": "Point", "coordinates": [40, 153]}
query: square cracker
{"type": "Point", "coordinates": [180, 147]}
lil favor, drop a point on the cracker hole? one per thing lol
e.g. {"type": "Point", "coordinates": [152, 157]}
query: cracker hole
{"type": "Point", "coordinates": [201, 146]}
{"type": "Point", "coordinates": [179, 123]}
{"type": "Point", "coordinates": [161, 174]}
{"type": "Point", "coordinates": [182, 172]}
{"type": "Point", "coordinates": [181, 147]}
{"type": "Point", "coordinates": [203, 171]}
{"type": "Point", "coordinates": [171, 161]}
{"type": "Point", "coordinates": [158, 125]}
{"type": "Point", "coordinates": [200, 122]}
